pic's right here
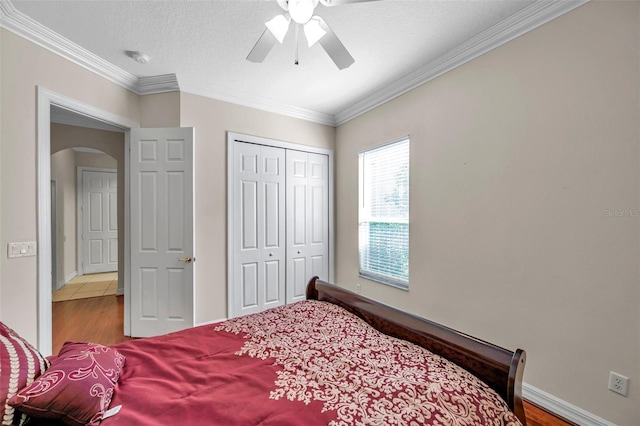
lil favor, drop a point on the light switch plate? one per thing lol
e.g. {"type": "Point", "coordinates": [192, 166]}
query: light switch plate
{"type": "Point", "coordinates": [21, 249]}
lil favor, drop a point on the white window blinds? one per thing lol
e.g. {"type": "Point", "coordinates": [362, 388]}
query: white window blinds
{"type": "Point", "coordinates": [384, 214]}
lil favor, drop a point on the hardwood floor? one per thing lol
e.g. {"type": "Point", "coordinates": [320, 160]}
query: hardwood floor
{"type": "Point", "coordinates": [538, 417]}
{"type": "Point", "coordinates": [98, 319]}
{"type": "Point", "coordinates": [101, 320]}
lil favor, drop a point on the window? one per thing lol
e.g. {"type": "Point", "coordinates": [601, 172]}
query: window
{"type": "Point", "coordinates": [384, 213]}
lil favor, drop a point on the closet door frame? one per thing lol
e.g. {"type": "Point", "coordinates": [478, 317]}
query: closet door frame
{"type": "Point", "coordinates": [232, 138]}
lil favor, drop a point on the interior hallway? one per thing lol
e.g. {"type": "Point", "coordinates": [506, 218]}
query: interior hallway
{"type": "Point", "coordinates": [85, 286]}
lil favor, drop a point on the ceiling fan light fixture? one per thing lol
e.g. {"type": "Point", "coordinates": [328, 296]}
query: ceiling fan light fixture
{"type": "Point", "coordinates": [279, 26]}
{"type": "Point", "coordinates": [315, 28]}
{"type": "Point", "coordinates": [302, 10]}
{"type": "Point", "coordinates": [313, 31]}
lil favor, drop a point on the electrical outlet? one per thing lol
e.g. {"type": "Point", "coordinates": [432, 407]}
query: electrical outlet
{"type": "Point", "coordinates": [358, 288]}
{"type": "Point", "coordinates": [618, 383]}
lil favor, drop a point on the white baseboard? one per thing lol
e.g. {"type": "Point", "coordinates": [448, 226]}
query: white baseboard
{"type": "Point", "coordinates": [562, 408]}
{"type": "Point", "coordinates": [70, 276]}
{"type": "Point", "coordinates": [198, 324]}
{"type": "Point", "coordinates": [66, 279]}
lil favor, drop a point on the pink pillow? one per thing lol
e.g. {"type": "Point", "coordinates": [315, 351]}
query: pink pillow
{"type": "Point", "coordinates": [21, 363]}
{"type": "Point", "coordinates": [78, 386]}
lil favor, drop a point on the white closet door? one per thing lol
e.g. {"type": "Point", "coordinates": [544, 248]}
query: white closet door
{"type": "Point", "coordinates": [307, 221]}
{"type": "Point", "coordinates": [259, 228]}
{"type": "Point", "coordinates": [99, 222]}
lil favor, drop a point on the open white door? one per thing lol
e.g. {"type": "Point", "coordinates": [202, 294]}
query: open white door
{"type": "Point", "coordinates": [161, 178]}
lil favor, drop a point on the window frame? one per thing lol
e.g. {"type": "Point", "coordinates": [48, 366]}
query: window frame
{"type": "Point", "coordinates": [365, 216]}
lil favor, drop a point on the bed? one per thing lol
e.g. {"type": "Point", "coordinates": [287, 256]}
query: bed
{"type": "Point", "coordinates": [335, 359]}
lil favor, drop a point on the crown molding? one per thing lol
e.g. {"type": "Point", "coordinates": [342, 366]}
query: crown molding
{"type": "Point", "coordinates": [527, 19]}
{"type": "Point", "coordinates": [15, 21]}
{"type": "Point", "coordinates": [262, 104]}
{"type": "Point", "coordinates": [158, 84]}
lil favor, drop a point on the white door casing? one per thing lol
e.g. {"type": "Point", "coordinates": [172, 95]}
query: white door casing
{"type": "Point", "coordinates": [54, 235]}
{"type": "Point", "coordinates": [162, 225]}
{"type": "Point", "coordinates": [45, 99]}
{"type": "Point", "coordinates": [99, 216]}
{"type": "Point", "coordinates": [307, 221]}
{"type": "Point", "coordinates": [259, 231]}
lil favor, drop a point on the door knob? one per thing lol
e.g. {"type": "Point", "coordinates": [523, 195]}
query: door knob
{"type": "Point", "coordinates": [185, 259]}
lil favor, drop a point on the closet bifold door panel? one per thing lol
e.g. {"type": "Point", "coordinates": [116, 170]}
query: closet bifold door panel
{"type": "Point", "coordinates": [259, 228]}
{"type": "Point", "coordinates": [278, 222]}
{"type": "Point", "coordinates": [307, 220]}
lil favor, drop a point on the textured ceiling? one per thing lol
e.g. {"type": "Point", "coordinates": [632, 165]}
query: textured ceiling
{"type": "Point", "coordinates": [205, 43]}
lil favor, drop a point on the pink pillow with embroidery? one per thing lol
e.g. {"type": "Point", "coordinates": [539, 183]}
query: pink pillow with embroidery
{"type": "Point", "coordinates": [20, 364]}
{"type": "Point", "coordinates": [77, 388]}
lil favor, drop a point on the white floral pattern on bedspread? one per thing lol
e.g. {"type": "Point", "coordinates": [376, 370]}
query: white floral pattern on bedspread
{"type": "Point", "coordinates": [366, 377]}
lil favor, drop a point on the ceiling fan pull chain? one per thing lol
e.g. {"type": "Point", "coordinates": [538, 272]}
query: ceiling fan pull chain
{"type": "Point", "coordinates": [297, 43]}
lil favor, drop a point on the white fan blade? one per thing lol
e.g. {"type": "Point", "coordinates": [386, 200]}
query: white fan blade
{"type": "Point", "coordinates": [334, 48]}
{"type": "Point", "coordinates": [279, 26]}
{"type": "Point", "coordinates": [340, 2]}
{"type": "Point", "coordinates": [313, 31]}
{"type": "Point", "coordinates": [263, 46]}
{"type": "Point", "coordinates": [284, 5]}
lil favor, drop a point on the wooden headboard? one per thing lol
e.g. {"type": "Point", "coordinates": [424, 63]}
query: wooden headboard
{"type": "Point", "coordinates": [499, 368]}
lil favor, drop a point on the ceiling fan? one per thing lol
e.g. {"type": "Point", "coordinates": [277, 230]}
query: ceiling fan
{"type": "Point", "coordinates": [315, 28]}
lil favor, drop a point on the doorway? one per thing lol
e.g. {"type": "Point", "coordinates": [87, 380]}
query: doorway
{"type": "Point", "coordinates": [86, 255]}
{"type": "Point", "coordinates": [88, 218]}
{"type": "Point", "coordinates": [50, 103]}
{"type": "Point", "coordinates": [147, 145]}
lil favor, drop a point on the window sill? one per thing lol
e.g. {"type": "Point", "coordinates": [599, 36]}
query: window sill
{"type": "Point", "coordinates": [385, 282]}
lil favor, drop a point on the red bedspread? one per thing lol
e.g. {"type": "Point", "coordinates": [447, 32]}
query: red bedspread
{"type": "Point", "coordinates": [310, 363]}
